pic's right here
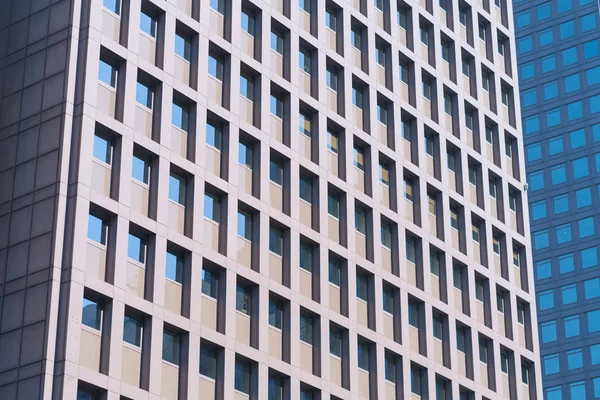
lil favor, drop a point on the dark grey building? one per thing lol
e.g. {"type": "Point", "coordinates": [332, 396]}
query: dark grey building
{"type": "Point", "coordinates": [559, 71]}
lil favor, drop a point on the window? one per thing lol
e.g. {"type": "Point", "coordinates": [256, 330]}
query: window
{"type": "Point", "coordinates": [546, 300]}
{"type": "Point", "coordinates": [551, 90]}
{"type": "Point", "coordinates": [276, 172]}
{"type": "Point", "coordinates": [437, 327]}
{"type": "Point", "coordinates": [390, 369]}
{"type": "Point", "coordinates": [332, 79]}
{"type": "Point", "coordinates": [332, 141]}
{"type": "Point", "coordinates": [171, 347]}
{"type": "Point", "coordinates": [333, 205]}
{"type": "Point", "coordinates": [546, 37]}
{"type": "Point", "coordinates": [304, 5]}
{"type": "Point", "coordinates": [306, 329]}
{"type": "Point", "coordinates": [140, 170]}
{"type": "Point", "coordinates": [577, 390]}
{"type": "Point", "coordinates": [363, 356]}
{"type": "Point", "coordinates": [276, 241]}
{"type": "Point", "coordinates": [551, 364]}
{"type": "Point", "coordinates": [244, 225]}
{"type": "Point", "coordinates": [429, 145]}
{"type": "Point", "coordinates": [212, 207]}
{"type": "Point", "coordinates": [426, 87]}
{"type": "Point", "coordinates": [218, 5]}
{"type": "Point", "coordinates": [411, 255]}
{"type": "Point", "coordinates": [541, 239]}
{"type": "Point", "coordinates": [306, 257]}
{"type": "Point", "coordinates": [454, 218]}
{"type": "Point", "coordinates": [564, 5]}
{"type": "Point", "coordinates": [523, 19]}
{"type": "Point", "coordinates": [215, 67]}
{"type": "Point", "coordinates": [335, 343]}
{"type": "Point", "coordinates": [210, 283]}
{"type": "Point", "coordinates": [558, 174]}
{"type": "Point", "coordinates": [580, 168]}
{"type": "Point", "coordinates": [277, 42]}
{"type": "Point", "coordinates": [543, 11]}
{"type": "Point", "coordinates": [566, 264]}
{"type": "Point", "coordinates": [569, 294]}
{"type": "Point", "coordinates": [362, 287]}
{"type": "Point", "coordinates": [245, 155]}
{"type": "Point", "coordinates": [574, 110]}
{"type": "Point", "coordinates": [534, 152]}
{"type": "Point", "coordinates": [357, 97]}
{"type": "Point", "coordinates": [561, 204]}
{"type": "Point", "coordinates": [132, 331]}
{"type": "Point", "coordinates": [384, 174]}
{"type": "Point", "coordinates": [304, 61]}
{"type": "Point", "coordinates": [589, 257]}
{"type": "Point", "coordinates": [554, 393]}
{"type": "Point", "coordinates": [275, 314]}
{"type": "Point", "coordinates": [144, 95]}
{"type": "Point", "coordinates": [113, 5]}
{"type": "Point", "coordinates": [355, 38]}
{"type": "Point", "coordinates": [553, 117]}
{"type": "Point", "coordinates": [382, 114]}
{"type": "Point", "coordinates": [242, 377]}
{"type": "Point", "coordinates": [504, 362]}
{"type": "Point", "coordinates": [360, 220]}
{"type": "Point", "coordinates": [586, 227]}
{"type": "Point", "coordinates": [136, 248]}
{"type": "Point", "coordinates": [593, 321]}
{"type": "Point", "coordinates": [483, 351]}
{"type": "Point", "coordinates": [107, 73]}
{"type": "Point", "coordinates": [275, 387]}
{"type": "Point", "coordinates": [91, 314]}
{"type": "Point", "coordinates": [543, 269]}
{"type": "Point", "coordinates": [335, 272]}
{"type": "Point", "coordinates": [388, 300]}
{"type": "Point", "coordinates": [548, 331]}
{"type": "Point", "coordinates": [247, 87]}
{"type": "Point", "coordinates": [306, 188]}
{"type": "Point", "coordinates": [525, 44]}
{"type": "Point", "coordinates": [177, 188]}
{"type": "Point", "coordinates": [569, 56]}
{"type": "Point", "coordinates": [174, 267]}
{"type": "Point", "coordinates": [386, 236]}
{"type": "Point", "coordinates": [592, 288]}
{"type": "Point", "coordinates": [243, 299]}
{"type": "Point", "coordinates": [148, 24]}
{"type": "Point", "coordinates": [572, 83]}
{"type": "Point", "coordinates": [180, 116]}
{"type": "Point", "coordinates": [563, 233]}
{"type": "Point", "coordinates": [567, 29]}
{"type": "Point", "coordinates": [415, 381]}
{"type": "Point", "coordinates": [331, 19]}
{"type": "Point", "coordinates": [247, 21]}
{"type": "Point", "coordinates": [571, 326]}
{"type": "Point", "coordinates": [208, 362]}
{"type": "Point", "coordinates": [527, 71]}
{"type": "Point", "coordinates": [575, 360]}
{"type": "Point", "coordinates": [588, 22]}
{"type": "Point", "coordinates": [102, 150]}
{"type": "Point", "coordinates": [538, 210]}
{"type": "Point", "coordinates": [183, 47]}
{"type": "Point", "coordinates": [595, 356]}
{"type": "Point", "coordinates": [97, 229]}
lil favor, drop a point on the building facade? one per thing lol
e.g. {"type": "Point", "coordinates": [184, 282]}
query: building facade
{"type": "Point", "coordinates": [559, 71]}
{"type": "Point", "coordinates": [295, 199]}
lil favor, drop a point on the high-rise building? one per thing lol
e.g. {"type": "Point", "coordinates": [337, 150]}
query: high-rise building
{"type": "Point", "coordinates": [559, 72]}
{"type": "Point", "coordinates": [295, 199]}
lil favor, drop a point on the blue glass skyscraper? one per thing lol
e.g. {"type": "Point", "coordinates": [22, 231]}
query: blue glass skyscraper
{"type": "Point", "coordinates": [558, 54]}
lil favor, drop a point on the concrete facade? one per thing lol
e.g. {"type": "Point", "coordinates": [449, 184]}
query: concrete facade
{"type": "Point", "coordinates": [248, 200]}
{"type": "Point", "coordinates": [559, 67]}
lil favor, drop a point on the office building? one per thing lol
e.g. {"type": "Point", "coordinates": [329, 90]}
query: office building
{"type": "Point", "coordinates": [559, 72]}
{"type": "Point", "coordinates": [263, 200]}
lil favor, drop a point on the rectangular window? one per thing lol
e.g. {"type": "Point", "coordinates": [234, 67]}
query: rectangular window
{"type": "Point", "coordinates": [277, 42]}
{"type": "Point", "coordinates": [180, 115]}
{"type": "Point", "coordinates": [91, 314]}
{"type": "Point", "coordinates": [183, 47]}
{"type": "Point", "coordinates": [210, 283]}
{"type": "Point", "coordinates": [132, 331]}
{"type": "Point", "coordinates": [215, 67]}
{"type": "Point", "coordinates": [171, 347]}
{"type": "Point", "coordinates": [243, 299]}
{"type": "Point", "coordinates": [208, 362]}
{"type": "Point", "coordinates": [306, 329]}
{"type": "Point", "coordinates": [275, 314]}
{"type": "Point", "coordinates": [148, 24]}
{"type": "Point", "coordinates": [136, 248]}
{"type": "Point", "coordinates": [363, 356]}
{"type": "Point", "coordinates": [113, 6]}
{"type": "Point", "coordinates": [97, 229]}
{"type": "Point", "coordinates": [306, 188]}
{"type": "Point", "coordinates": [306, 257]}
{"type": "Point", "coordinates": [413, 315]}
{"type": "Point", "coordinates": [242, 377]}
{"type": "Point", "coordinates": [248, 21]}
{"type": "Point", "coordinates": [247, 87]}
{"type": "Point", "coordinates": [360, 220]}
{"type": "Point", "coordinates": [362, 287]}
{"type": "Point", "coordinates": [335, 343]}
{"type": "Point", "coordinates": [177, 188]}
{"type": "Point", "coordinates": [244, 225]}
{"type": "Point", "coordinates": [174, 267]}
{"type": "Point", "coordinates": [335, 272]}
{"type": "Point", "coordinates": [245, 155]}
{"type": "Point", "coordinates": [107, 73]}
{"type": "Point", "coordinates": [140, 170]}
{"type": "Point", "coordinates": [144, 95]}
{"type": "Point", "coordinates": [333, 206]}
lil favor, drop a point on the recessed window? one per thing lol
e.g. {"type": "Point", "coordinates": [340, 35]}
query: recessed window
{"type": "Point", "coordinates": [136, 248]}
{"type": "Point", "coordinates": [243, 299]}
{"type": "Point", "coordinates": [208, 362]}
{"type": "Point", "coordinates": [174, 267]}
{"type": "Point", "coordinates": [132, 331]}
{"type": "Point", "coordinates": [148, 24]}
{"type": "Point", "coordinates": [107, 73]}
{"type": "Point", "coordinates": [97, 229]}
{"type": "Point", "coordinates": [91, 314]}
{"type": "Point", "coordinates": [171, 347]}
{"type": "Point", "coordinates": [210, 283]}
